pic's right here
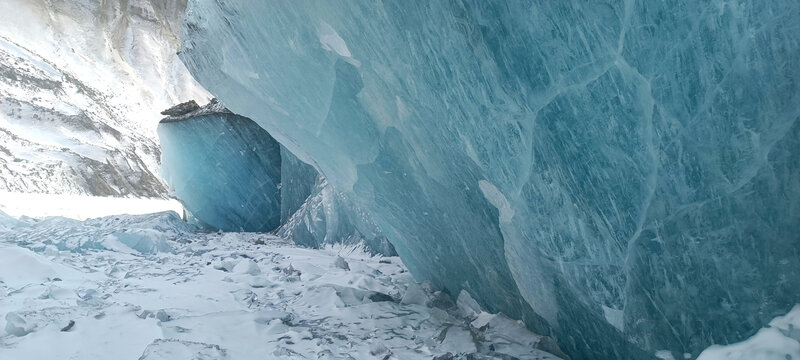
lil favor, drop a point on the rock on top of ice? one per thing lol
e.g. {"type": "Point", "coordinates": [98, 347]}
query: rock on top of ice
{"type": "Point", "coordinates": [181, 109]}
{"type": "Point", "coordinates": [190, 109]}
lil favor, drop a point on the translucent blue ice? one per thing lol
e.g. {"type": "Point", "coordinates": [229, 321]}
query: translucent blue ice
{"type": "Point", "coordinates": [225, 169]}
{"type": "Point", "coordinates": [297, 183]}
{"type": "Point", "coordinates": [317, 214]}
{"type": "Point", "coordinates": [624, 175]}
{"type": "Point", "coordinates": [230, 174]}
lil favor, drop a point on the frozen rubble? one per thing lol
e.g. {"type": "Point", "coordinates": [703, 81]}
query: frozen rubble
{"type": "Point", "coordinates": [71, 289]}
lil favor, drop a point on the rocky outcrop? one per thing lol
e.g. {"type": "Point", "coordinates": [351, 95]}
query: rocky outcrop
{"type": "Point", "coordinates": [181, 109]}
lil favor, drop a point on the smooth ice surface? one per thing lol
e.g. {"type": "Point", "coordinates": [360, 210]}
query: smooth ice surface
{"type": "Point", "coordinates": [224, 168]}
{"type": "Point", "coordinates": [624, 175]}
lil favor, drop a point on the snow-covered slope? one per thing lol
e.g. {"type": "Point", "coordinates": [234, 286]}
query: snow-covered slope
{"type": "Point", "coordinates": [81, 86]}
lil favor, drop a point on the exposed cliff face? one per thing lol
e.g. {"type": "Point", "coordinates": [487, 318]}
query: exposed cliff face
{"type": "Point", "coordinates": [81, 85]}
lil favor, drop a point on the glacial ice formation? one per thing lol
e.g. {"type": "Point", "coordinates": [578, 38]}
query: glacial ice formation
{"type": "Point", "coordinates": [132, 234]}
{"type": "Point", "coordinates": [313, 213]}
{"type": "Point", "coordinates": [622, 175]}
{"type": "Point", "coordinates": [231, 175]}
{"type": "Point", "coordinates": [224, 168]}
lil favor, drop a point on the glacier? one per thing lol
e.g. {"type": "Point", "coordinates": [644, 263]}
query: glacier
{"type": "Point", "coordinates": [224, 168]}
{"type": "Point", "coordinates": [231, 175]}
{"type": "Point", "coordinates": [622, 175]}
{"type": "Point", "coordinates": [315, 214]}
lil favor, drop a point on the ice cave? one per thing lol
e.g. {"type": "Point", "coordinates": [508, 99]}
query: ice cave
{"type": "Point", "coordinates": [455, 179]}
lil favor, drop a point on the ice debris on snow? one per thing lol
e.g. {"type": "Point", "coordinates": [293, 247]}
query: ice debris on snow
{"type": "Point", "coordinates": [135, 234]}
{"type": "Point", "coordinates": [341, 263]}
{"type": "Point", "coordinates": [227, 296]}
{"type": "Point", "coordinates": [170, 349]}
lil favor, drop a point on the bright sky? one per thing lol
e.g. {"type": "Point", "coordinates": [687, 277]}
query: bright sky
{"type": "Point", "coordinates": [80, 207]}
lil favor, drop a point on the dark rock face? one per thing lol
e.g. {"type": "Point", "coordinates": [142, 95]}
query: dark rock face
{"type": "Point", "coordinates": [181, 109]}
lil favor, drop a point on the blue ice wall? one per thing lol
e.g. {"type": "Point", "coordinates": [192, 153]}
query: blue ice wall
{"type": "Point", "coordinates": [232, 175]}
{"type": "Point", "coordinates": [298, 181]}
{"type": "Point", "coordinates": [318, 214]}
{"type": "Point", "coordinates": [224, 168]}
{"type": "Point", "coordinates": [622, 174]}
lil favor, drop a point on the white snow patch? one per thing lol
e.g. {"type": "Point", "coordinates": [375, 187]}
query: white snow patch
{"type": "Point", "coordinates": [614, 317]}
{"type": "Point", "coordinates": [780, 341]}
{"type": "Point", "coordinates": [331, 40]}
{"type": "Point", "coordinates": [498, 200]}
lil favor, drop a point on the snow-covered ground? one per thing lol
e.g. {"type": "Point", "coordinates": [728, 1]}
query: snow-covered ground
{"type": "Point", "coordinates": [148, 287]}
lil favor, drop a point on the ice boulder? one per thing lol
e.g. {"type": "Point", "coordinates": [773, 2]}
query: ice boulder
{"type": "Point", "coordinates": [621, 175]}
{"type": "Point", "coordinates": [224, 168]}
{"type": "Point", "coordinates": [8, 222]}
